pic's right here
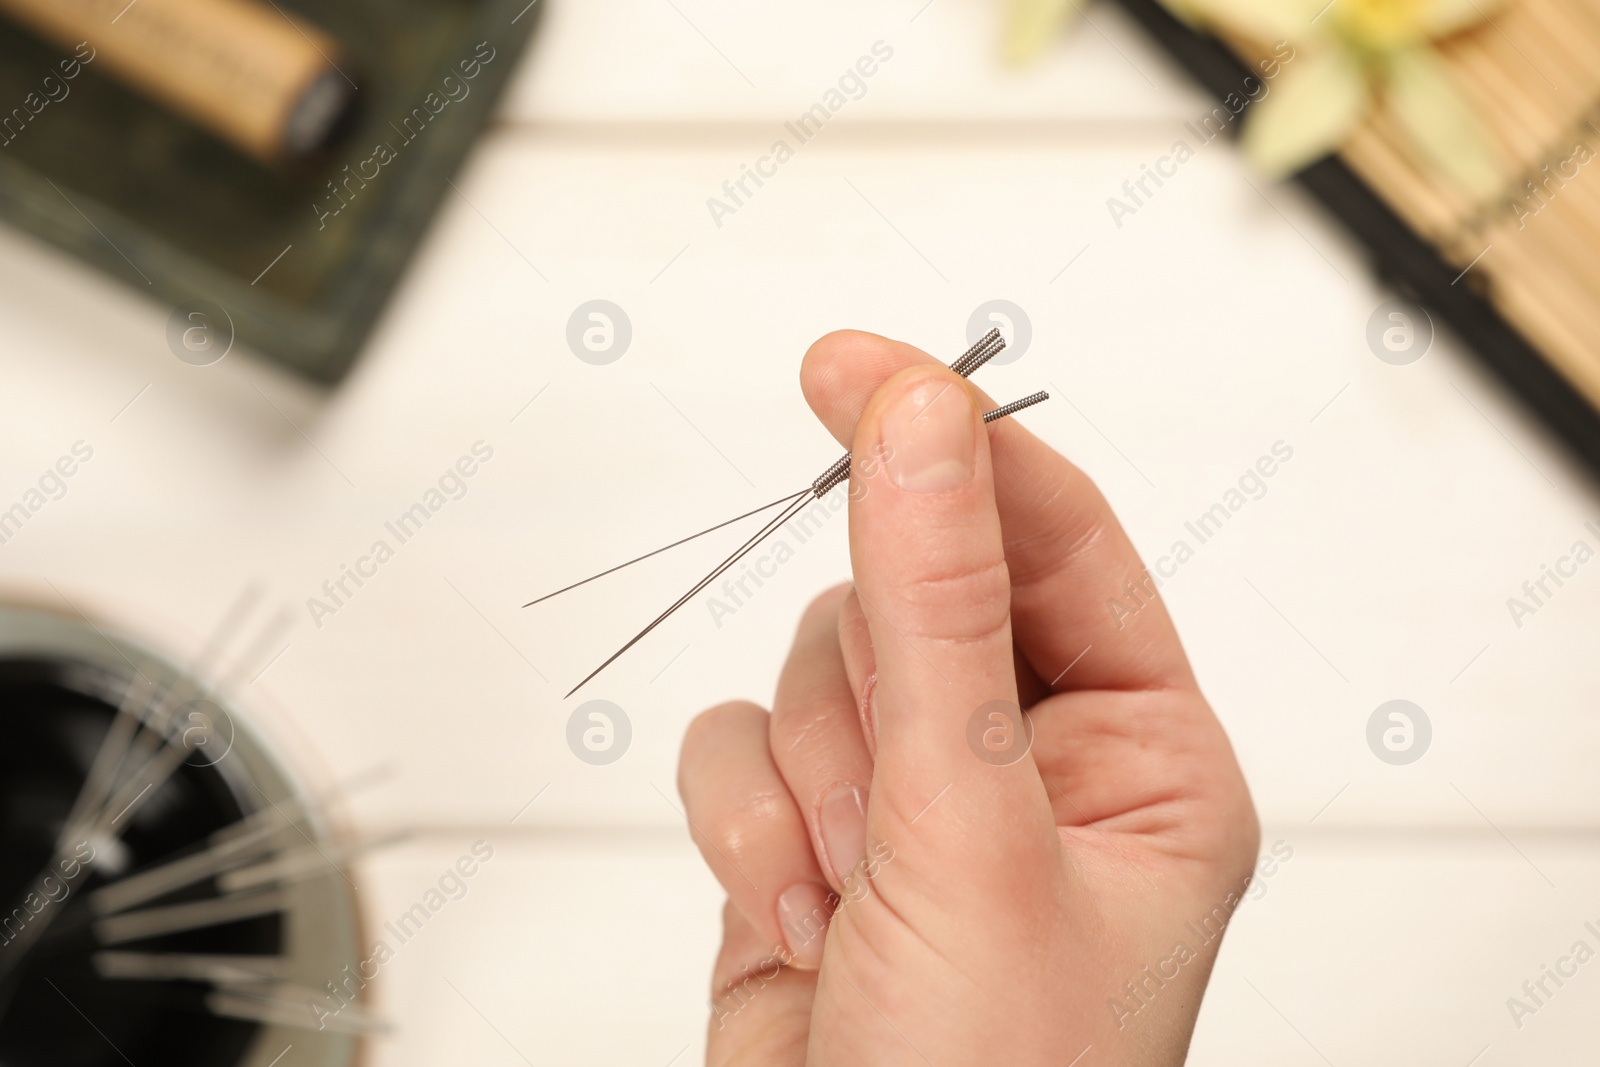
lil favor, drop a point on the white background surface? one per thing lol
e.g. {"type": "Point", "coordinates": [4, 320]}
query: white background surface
{"type": "Point", "coordinates": [1222, 317]}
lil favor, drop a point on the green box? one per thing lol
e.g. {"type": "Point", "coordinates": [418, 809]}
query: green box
{"type": "Point", "coordinates": [156, 201]}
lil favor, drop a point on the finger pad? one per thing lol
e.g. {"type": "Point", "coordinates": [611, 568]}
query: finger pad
{"type": "Point", "coordinates": [843, 369]}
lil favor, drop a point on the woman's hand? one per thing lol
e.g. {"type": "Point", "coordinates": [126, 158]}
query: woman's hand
{"type": "Point", "coordinates": [909, 880]}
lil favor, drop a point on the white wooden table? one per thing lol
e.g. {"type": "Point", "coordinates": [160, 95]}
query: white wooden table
{"type": "Point", "coordinates": [1226, 315]}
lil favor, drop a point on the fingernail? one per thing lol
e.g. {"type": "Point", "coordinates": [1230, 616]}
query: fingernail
{"type": "Point", "coordinates": [842, 818]}
{"type": "Point", "coordinates": [930, 435]}
{"type": "Point", "coordinates": [803, 913]}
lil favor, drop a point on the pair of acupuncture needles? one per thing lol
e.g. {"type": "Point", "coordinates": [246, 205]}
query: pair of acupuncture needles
{"type": "Point", "coordinates": [988, 346]}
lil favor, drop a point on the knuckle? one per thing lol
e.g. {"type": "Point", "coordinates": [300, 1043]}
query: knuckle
{"type": "Point", "coordinates": [715, 720]}
{"type": "Point", "coordinates": [826, 603]}
{"type": "Point", "coordinates": [1076, 527]}
{"type": "Point", "coordinates": [705, 731]}
{"type": "Point", "coordinates": [734, 832]}
{"type": "Point", "coordinates": [801, 727]}
{"type": "Point", "coordinates": [966, 601]}
{"type": "Point", "coordinates": [701, 729]}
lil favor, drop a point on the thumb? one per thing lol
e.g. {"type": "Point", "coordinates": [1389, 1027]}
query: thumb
{"type": "Point", "coordinates": [930, 571]}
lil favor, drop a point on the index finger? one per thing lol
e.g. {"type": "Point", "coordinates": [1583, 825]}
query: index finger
{"type": "Point", "coordinates": [1070, 559]}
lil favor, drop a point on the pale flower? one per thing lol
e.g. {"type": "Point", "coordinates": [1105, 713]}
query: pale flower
{"type": "Point", "coordinates": [1350, 53]}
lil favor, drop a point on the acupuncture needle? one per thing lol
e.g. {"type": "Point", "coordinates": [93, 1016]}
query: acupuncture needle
{"type": "Point", "coordinates": [985, 349]}
{"type": "Point", "coordinates": [982, 351]}
{"type": "Point", "coordinates": [675, 544]}
{"type": "Point", "coordinates": [825, 483]}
